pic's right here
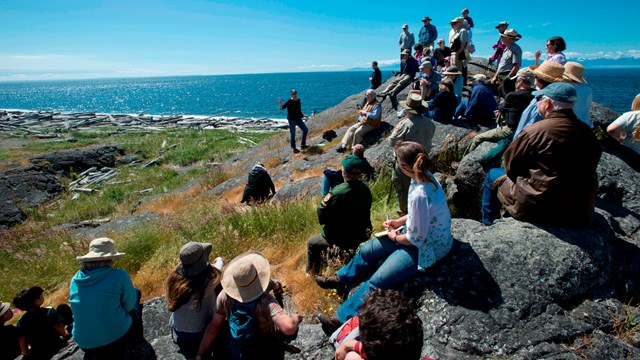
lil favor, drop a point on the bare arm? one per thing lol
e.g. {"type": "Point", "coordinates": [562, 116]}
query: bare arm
{"type": "Point", "coordinates": [210, 333]}
{"type": "Point", "coordinates": [538, 53]}
{"type": "Point", "coordinates": [288, 324]}
{"type": "Point", "coordinates": [514, 70]}
{"type": "Point", "coordinates": [59, 327]}
{"type": "Point", "coordinates": [616, 131]}
{"type": "Point", "coordinates": [23, 345]}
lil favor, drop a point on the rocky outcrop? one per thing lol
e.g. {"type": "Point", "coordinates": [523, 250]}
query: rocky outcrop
{"type": "Point", "coordinates": [80, 160]}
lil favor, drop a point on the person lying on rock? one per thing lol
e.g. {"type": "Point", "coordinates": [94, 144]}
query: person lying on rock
{"type": "Point", "coordinates": [549, 170]}
{"type": "Point", "coordinates": [106, 307]}
{"type": "Point", "coordinates": [414, 242]}
{"type": "Point", "coordinates": [345, 213]}
{"type": "Point", "coordinates": [191, 295]}
{"type": "Point", "coordinates": [259, 186]}
{"type": "Point", "coordinates": [333, 178]}
{"type": "Point", "coordinates": [256, 321]}
{"type": "Point", "coordinates": [387, 327]}
{"type": "Point", "coordinates": [369, 119]}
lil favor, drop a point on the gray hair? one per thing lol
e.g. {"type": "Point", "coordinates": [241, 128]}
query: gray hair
{"type": "Point", "coordinates": [559, 105]}
{"type": "Point", "coordinates": [370, 92]}
{"type": "Point", "coordinates": [91, 265]}
{"type": "Point", "coordinates": [528, 79]}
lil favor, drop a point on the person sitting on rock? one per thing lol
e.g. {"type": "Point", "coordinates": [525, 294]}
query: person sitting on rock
{"type": "Point", "coordinates": [443, 105]}
{"type": "Point", "coordinates": [256, 320]}
{"type": "Point", "coordinates": [345, 213]}
{"type": "Point", "coordinates": [191, 295]}
{"type": "Point", "coordinates": [369, 119]}
{"type": "Point", "coordinates": [41, 333]}
{"type": "Point", "coordinates": [387, 327]}
{"type": "Point", "coordinates": [480, 107]}
{"type": "Point", "coordinates": [456, 78]}
{"type": "Point", "coordinates": [408, 70]}
{"type": "Point", "coordinates": [510, 111]}
{"type": "Point", "coordinates": [626, 128]}
{"type": "Point", "coordinates": [414, 242]}
{"type": "Point", "coordinates": [333, 178]}
{"type": "Point", "coordinates": [106, 307]}
{"type": "Point", "coordinates": [8, 334]}
{"type": "Point", "coordinates": [441, 53]}
{"type": "Point", "coordinates": [428, 82]}
{"type": "Point", "coordinates": [259, 187]}
{"type": "Point", "coordinates": [549, 170]}
{"type": "Point", "coordinates": [414, 127]}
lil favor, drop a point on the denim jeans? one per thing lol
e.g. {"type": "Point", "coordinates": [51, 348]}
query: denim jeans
{"type": "Point", "coordinates": [292, 131]}
{"type": "Point", "coordinates": [490, 202]}
{"type": "Point", "coordinates": [397, 264]}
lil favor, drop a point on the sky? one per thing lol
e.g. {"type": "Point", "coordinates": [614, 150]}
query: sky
{"type": "Point", "coordinates": [76, 39]}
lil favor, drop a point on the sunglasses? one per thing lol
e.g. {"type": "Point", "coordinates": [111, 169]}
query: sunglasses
{"type": "Point", "coordinates": [539, 97]}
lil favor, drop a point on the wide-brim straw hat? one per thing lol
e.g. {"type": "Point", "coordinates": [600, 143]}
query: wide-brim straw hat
{"type": "Point", "coordinates": [246, 277]}
{"type": "Point", "coordinates": [573, 72]}
{"type": "Point", "coordinates": [101, 249]}
{"type": "Point", "coordinates": [413, 103]}
{"type": "Point", "coordinates": [549, 71]}
{"type": "Point", "coordinates": [452, 70]}
{"type": "Point", "coordinates": [511, 33]}
{"type": "Point", "coordinates": [194, 258]}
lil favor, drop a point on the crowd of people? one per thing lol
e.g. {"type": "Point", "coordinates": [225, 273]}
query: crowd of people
{"type": "Point", "coordinates": [543, 170]}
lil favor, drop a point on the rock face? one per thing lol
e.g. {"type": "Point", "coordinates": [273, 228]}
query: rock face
{"type": "Point", "coordinates": [80, 160]}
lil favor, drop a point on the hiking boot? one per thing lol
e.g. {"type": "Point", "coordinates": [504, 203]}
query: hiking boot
{"type": "Point", "coordinates": [340, 150]}
{"type": "Point", "coordinates": [295, 151]}
{"type": "Point", "coordinates": [304, 147]}
{"type": "Point", "coordinates": [329, 323]}
{"type": "Point", "coordinates": [327, 282]}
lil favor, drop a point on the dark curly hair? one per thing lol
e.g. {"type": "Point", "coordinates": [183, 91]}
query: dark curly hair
{"type": "Point", "coordinates": [558, 42]}
{"type": "Point", "coordinates": [25, 300]}
{"type": "Point", "coordinates": [390, 327]}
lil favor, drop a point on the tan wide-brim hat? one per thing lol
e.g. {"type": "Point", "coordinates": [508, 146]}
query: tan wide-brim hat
{"type": "Point", "coordinates": [573, 72]}
{"type": "Point", "coordinates": [452, 70]}
{"type": "Point", "coordinates": [413, 104]}
{"type": "Point", "coordinates": [246, 277]}
{"type": "Point", "coordinates": [101, 249]}
{"type": "Point", "coordinates": [511, 33]}
{"type": "Point", "coordinates": [549, 71]}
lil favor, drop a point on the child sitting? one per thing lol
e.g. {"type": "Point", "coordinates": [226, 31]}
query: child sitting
{"type": "Point", "coordinates": [39, 329]}
{"type": "Point", "coordinates": [8, 334]}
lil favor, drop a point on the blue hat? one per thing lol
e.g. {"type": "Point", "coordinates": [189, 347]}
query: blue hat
{"type": "Point", "coordinates": [559, 92]}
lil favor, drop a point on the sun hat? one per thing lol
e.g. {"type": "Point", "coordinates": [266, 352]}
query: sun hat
{"type": "Point", "coordinates": [405, 26]}
{"type": "Point", "coordinates": [558, 91]}
{"type": "Point", "coordinates": [549, 71]}
{"type": "Point", "coordinates": [194, 258]}
{"type": "Point", "coordinates": [353, 164]}
{"type": "Point", "coordinates": [511, 33]}
{"type": "Point", "coordinates": [246, 277]}
{"type": "Point", "coordinates": [452, 70]}
{"type": "Point", "coordinates": [426, 65]}
{"type": "Point", "coordinates": [426, 18]}
{"type": "Point", "coordinates": [573, 72]}
{"type": "Point", "coordinates": [459, 19]}
{"type": "Point", "coordinates": [480, 78]}
{"type": "Point", "coordinates": [413, 104]}
{"type": "Point", "coordinates": [4, 307]}
{"type": "Point", "coordinates": [447, 58]}
{"type": "Point", "coordinates": [101, 249]}
{"type": "Point", "coordinates": [502, 23]}
{"type": "Point", "coordinates": [406, 52]}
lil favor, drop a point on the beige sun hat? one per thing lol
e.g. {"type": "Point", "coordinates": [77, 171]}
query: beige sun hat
{"type": "Point", "coordinates": [413, 104]}
{"type": "Point", "coordinates": [573, 72]}
{"type": "Point", "coordinates": [101, 249]}
{"type": "Point", "coordinates": [549, 71]}
{"type": "Point", "coordinates": [511, 33]}
{"type": "Point", "coordinates": [246, 277]}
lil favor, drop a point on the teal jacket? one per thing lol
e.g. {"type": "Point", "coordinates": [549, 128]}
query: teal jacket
{"type": "Point", "coordinates": [101, 300]}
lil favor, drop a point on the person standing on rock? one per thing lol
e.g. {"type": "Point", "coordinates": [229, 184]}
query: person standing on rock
{"type": "Point", "coordinates": [414, 127]}
{"type": "Point", "coordinates": [369, 119]}
{"type": "Point", "coordinates": [428, 33]}
{"type": "Point", "coordinates": [549, 170]}
{"type": "Point", "coordinates": [295, 116]}
{"type": "Point", "coordinates": [510, 62]}
{"type": "Point", "coordinates": [345, 213]}
{"type": "Point", "coordinates": [499, 45]}
{"type": "Point", "coordinates": [406, 40]}
{"type": "Point", "coordinates": [414, 242]}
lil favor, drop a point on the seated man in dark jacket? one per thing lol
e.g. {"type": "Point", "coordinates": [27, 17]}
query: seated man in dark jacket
{"type": "Point", "coordinates": [549, 170]}
{"type": "Point", "coordinates": [345, 213]}
{"type": "Point", "coordinates": [259, 186]}
{"type": "Point", "coordinates": [481, 105]}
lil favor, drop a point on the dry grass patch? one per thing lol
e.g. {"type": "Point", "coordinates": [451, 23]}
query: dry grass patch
{"type": "Point", "coordinates": [337, 123]}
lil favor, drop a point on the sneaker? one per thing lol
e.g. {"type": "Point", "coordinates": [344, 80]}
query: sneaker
{"type": "Point", "coordinates": [295, 151]}
{"type": "Point", "coordinates": [340, 150]}
{"type": "Point", "coordinates": [304, 147]}
{"type": "Point", "coordinates": [382, 94]}
{"type": "Point", "coordinates": [329, 323]}
{"type": "Point", "coordinates": [327, 282]}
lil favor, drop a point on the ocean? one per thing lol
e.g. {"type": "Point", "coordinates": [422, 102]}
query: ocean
{"type": "Point", "coordinates": [253, 95]}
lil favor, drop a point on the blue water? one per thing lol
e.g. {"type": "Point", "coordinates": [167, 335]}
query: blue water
{"type": "Point", "coordinates": [240, 95]}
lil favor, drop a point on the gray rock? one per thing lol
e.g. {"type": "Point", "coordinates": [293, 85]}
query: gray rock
{"type": "Point", "coordinates": [602, 116]}
{"type": "Point", "coordinates": [80, 160]}
{"type": "Point", "coordinates": [308, 187]}
{"type": "Point", "coordinates": [126, 223]}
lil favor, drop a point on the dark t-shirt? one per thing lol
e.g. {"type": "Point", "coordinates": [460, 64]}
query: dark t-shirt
{"type": "Point", "coordinates": [38, 327]}
{"type": "Point", "coordinates": [294, 109]}
{"type": "Point", "coordinates": [514, 104]}
{"type": "Point", "coordinates": [440, 54]}
{"type": "Point", "coordinates": [9, 343]}
{"type": "Point", "coordinates": [376, 78]}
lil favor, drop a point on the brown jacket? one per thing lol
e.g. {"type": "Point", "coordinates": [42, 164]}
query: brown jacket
{"type": "Point", "coordinates": [551, 171]}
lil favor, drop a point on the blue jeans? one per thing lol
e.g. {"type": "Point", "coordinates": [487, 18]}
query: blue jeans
{"type": "Point", "coordinates": [390, 263]}
{"type": "Point", "coordinates": [326, 186]}
{"type": "Point", "coordinates": [292, 131]}
{"type": "Point", "coordinates": [462, 108]}
{"type": "Point", "coordinates": [490, 202]}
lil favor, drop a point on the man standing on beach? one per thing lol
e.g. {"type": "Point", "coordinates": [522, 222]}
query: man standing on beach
{"type": "Point", "coordinates": [406, 40]}
{"type": "Point", "coordinates": [428, 34]}
{"type": "Point", "coordinates": [295, 115]}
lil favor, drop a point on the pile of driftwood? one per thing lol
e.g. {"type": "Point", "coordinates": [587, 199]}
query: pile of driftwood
{"type": "Point", "coordinates": [46, 124]}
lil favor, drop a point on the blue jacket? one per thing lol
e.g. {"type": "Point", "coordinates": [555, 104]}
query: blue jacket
{"type": "Point", "coordinates": [482, 104]}
{"type": "Point", "coordinates": [101, 300]}
{"type": "Point", "coordinates": [409, 67]}
{"type": "Point", "coordinates": [428, 34]}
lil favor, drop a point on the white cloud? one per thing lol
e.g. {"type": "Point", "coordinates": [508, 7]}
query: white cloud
{"type": "Point", "coordinates": [612, 55]}
{"type": "Point", "coordinates": [320, 67]}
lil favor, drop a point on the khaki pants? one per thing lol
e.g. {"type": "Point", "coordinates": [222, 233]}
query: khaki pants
{"type": "Point", "coordinates": [355, 134]}
{"type": "Point", "coordinates": [397, 84]}
{"type": "Point", "coordinates": [495, 135]}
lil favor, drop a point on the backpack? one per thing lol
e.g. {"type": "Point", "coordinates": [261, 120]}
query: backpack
{"type": "Point", "coordinates": [243, 328]}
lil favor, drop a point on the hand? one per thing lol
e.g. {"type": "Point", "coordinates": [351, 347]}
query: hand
{"type": "Point", "coordinates": [496, 112]}
{"type": "Point", "coordinates": [280, 100]}
{"type": "Point", "coordinates": [341, 353]}
{"type": "Point", "coordinates": [390, 225]}
{"type": "Point", "coordinates": [538, 53]}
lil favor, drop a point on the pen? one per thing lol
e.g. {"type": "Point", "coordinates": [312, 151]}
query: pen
{"type": "Point", "coordinates": [387, 216]}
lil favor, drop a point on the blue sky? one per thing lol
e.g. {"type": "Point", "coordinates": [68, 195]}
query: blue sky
{"type": "Point", "coordinates": [68, 39]}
